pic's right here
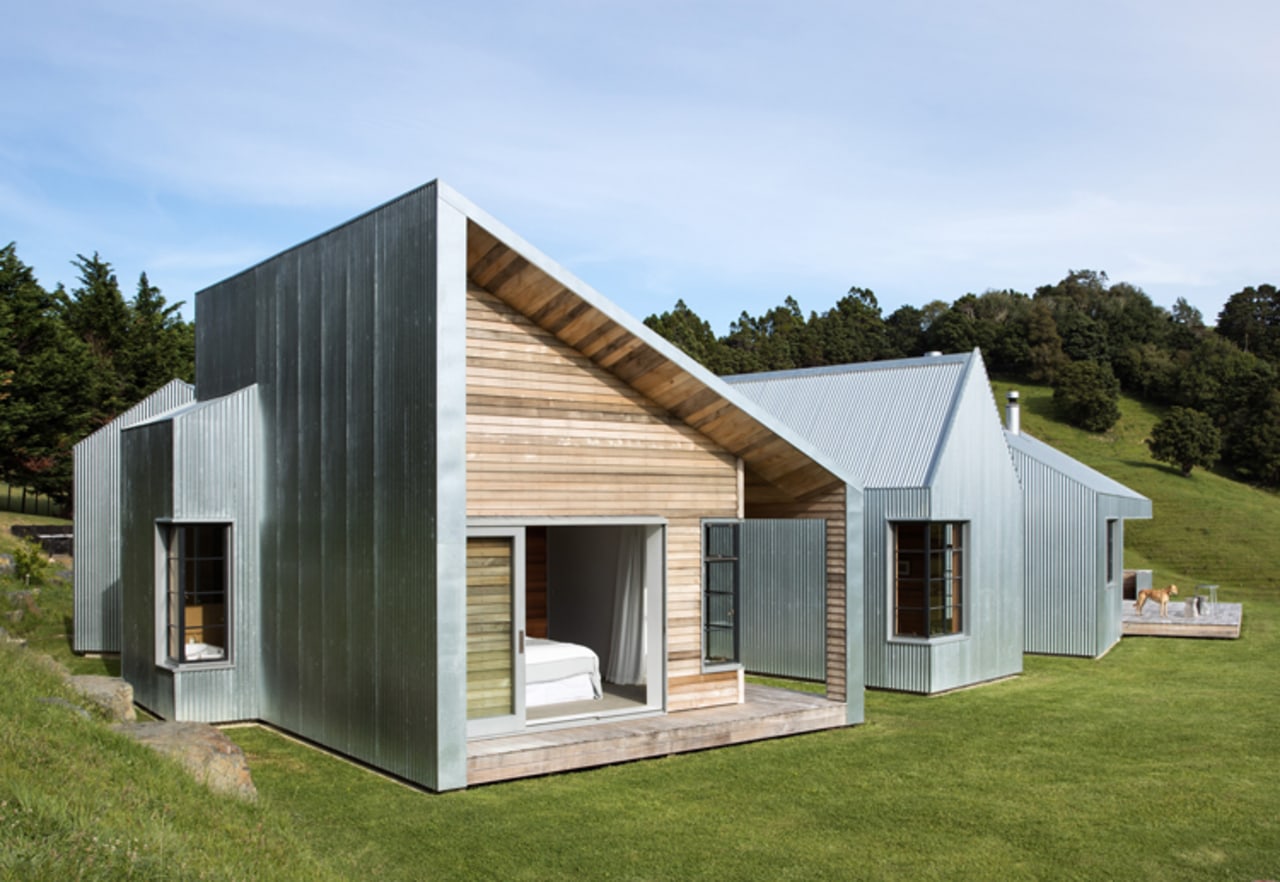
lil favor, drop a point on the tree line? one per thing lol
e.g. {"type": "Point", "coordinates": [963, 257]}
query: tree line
{"type": "Point", "coordinates": [1087, 337]}
{"type": "Point", "coordinates": [71, 361]}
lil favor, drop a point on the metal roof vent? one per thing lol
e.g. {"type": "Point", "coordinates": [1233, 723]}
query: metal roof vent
{"type": "Point", "coordinates": [933, 353]}
{"type": "Point", "coordinates": [1012, 413]}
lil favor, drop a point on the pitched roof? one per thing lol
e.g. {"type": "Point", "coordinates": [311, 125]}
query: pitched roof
{"type": "Point", "coordinates": [507, 266]}
{"type": "Point", "coordinates": [883, 422]}
{"type": "Point", "coordinates": [1075, 470]}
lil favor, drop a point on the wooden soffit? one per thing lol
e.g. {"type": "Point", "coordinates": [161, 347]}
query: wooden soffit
{"type": "Point", "coordinates": [625, 352]}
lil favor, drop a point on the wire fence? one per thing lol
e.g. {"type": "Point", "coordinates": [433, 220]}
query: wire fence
{"type": "Point", "coordinates": [23, 501]}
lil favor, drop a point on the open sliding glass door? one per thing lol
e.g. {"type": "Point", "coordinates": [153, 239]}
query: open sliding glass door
{"type": "Point", "coordinates": [495, 631]}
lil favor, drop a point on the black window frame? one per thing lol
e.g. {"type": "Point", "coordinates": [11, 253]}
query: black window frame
{"type": "Point", "coordinates": [721, 602]}
{"type": "Point", "coordinates": [935, 570]}
{"type": "Point", "coordinates": [196, 573]}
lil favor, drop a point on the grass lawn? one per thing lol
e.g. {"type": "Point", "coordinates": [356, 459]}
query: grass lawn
{"type": "Point", "coordinates": [1155, 762]}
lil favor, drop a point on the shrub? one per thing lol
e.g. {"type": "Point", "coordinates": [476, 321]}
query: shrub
{"type": "Point", "coordinates": [1087, 395]}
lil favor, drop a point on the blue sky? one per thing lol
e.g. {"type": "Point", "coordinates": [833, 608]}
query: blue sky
{"type": "Point", "coordinates": [730, 154]}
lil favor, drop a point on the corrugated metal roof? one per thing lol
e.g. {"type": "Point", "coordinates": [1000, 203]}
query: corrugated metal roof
{"type": "Point", "coordinates": [882, 421]}
{"type": "Point", "coordinates": [1072, 468]}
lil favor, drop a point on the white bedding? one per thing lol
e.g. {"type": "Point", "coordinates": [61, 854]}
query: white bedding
{"type": "Point", "coordinates": [555, 672]}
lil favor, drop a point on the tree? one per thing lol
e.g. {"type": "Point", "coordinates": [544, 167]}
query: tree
{"type": "Point", "coordinates": [904, 333]}
{"type": "Point", "coordinates": [1185, 438]}
{"type": "Point", "coordinates": [693, 335]}
{"type": "Point", "coordinates": [780, 339]}
{"type": "Point", "coordinates": [46, 374]}
{"type": "Point", "coordinates": [1251, 319]}
{"type": "Point", "coordinates": [159, 345]}
{"type": "Point", "coordinates": [1086, 394]}
{"type": "Point", "coordinates": [851, 331]}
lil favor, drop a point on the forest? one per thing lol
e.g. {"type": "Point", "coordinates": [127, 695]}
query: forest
{"type": "Point", "coordinates": [72, 360]}
{"type": "Point", "coordinates": [1085, 336]}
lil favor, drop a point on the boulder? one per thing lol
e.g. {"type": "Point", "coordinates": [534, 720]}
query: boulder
{"type": "Point", "coordinates": [113, 695]}
{"type": "Point", "coordinates": [211, 757]}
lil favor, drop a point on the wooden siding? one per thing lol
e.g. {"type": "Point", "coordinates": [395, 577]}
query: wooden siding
{"type": "Point", "coordinates": [489, 627]}
{"type": "Point", "coordinates": [764, 501]}
{"type": "Point", "coordinates": [551, 433]}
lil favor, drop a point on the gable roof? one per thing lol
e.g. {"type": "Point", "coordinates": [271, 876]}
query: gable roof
{"type": "Point", "coordinates": [884, 422]}
{"type": "Point", "coordinates": [510, 268]}
{"type": "Point", "coordinates": [1074, 470]}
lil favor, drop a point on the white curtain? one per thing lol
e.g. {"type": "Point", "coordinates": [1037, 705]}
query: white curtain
{"type": "Point", "coordinates": [626, 649]}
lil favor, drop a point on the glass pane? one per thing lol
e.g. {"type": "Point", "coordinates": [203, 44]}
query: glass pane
{"type": "Point", "coordinates": [719, 645]}
{"type": "Point", "coordinates": [720, 576]}
{"type": "Point", "coordinates": [910, 622]}
{"type": "Point", "coordinates": [910, 537]}
{"type": "Point", "coordinates": [721, 540]}
{"type": "Point", "coordinates": [720, 610]}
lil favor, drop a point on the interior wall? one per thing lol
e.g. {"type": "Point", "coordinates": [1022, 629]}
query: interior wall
{"type": "Point", "coordinates": [535, 581]}
{"type": "Point", "coordinates": [582, 567]}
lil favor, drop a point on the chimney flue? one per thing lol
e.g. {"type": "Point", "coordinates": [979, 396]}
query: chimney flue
{"type": "Point", "coordinates": [1012, 414]}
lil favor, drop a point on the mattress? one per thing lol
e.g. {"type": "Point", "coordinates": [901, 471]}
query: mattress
{"type": "Point", "coordinates": [555, 672]}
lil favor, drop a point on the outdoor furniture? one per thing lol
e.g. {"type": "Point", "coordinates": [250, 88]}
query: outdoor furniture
{"type": "Point", "coordinates": [1210, 591]}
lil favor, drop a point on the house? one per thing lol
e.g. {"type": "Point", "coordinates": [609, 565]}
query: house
{"type": "Point", "coordinates": [420, 454]}
{"type": "Point", "coordinates": [942, 517]}
{"type": "Point", "coordinates": [1075, 546]}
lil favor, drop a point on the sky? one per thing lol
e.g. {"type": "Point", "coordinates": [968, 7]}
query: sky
{"type": "Point", "coordinates": [729, 154]}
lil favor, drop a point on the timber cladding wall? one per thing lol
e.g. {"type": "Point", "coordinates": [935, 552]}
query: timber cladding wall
{"type": "Point", "coordinates": [550, 433]}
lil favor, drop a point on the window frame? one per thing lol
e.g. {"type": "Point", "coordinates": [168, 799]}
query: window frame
{"type": "Point", "coordinates": [960, 529]}
{"type": "Point", "coordinates": [1112, 533]}
{"type": "Point", "coordinates": [734, 560]}
{"type": "Point", "coordinates": [167, 599]}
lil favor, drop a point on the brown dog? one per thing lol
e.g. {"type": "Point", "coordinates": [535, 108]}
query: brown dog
{"type": "Point", "coordinates": [1160, 595]}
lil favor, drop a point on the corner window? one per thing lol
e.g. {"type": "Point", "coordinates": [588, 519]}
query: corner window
{"type": "Point", "coordinates": [721, 578]}
{"type": "Point", "coordinates": [197, 592]}
{"type": "Point", "coordinates": [928, 579]}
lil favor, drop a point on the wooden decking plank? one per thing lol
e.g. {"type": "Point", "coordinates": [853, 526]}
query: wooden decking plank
{"type": "Point", "coordinates": [767, 713]}
{"type": "Point", "coordinates": [1223, 623]}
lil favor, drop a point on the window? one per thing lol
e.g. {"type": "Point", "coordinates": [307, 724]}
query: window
{"type": "Point", "coordinates": [197, 592]}
{"type": "Point", "coordinates": [721, 541]}
{"type": "Point", "coordinates": [928, 579]}
{"type": "Point", "coordinates": [1111, 550]}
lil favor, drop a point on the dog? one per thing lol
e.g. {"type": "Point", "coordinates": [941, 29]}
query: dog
{"type": "Point", "coordinates": [1159, 595]}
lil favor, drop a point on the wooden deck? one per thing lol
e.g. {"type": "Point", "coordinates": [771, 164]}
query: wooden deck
{"type": "Point", "coordinates": [1223, 623]}
{"type": "Point", "coordinates": [766, 713]}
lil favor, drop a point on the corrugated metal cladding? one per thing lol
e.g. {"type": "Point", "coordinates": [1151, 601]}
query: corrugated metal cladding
{"type": "Point", "coordinates": [146, 497]}
{"type": "Point", "coordinates": [1071, 607]}
{"type": "Point", "coordinates": [880, 421]}
{"type": "Point", "coordinates": [341, 334]}
{"type": "Point", "coordinates": [96, 560]}
{"type": "Point", "coordinates": [924, 437]}
{"type": "Point", "coordinates": [903, 666]}
{"type": "Point", "coordinates": [784, 598]}
{"type": "Point", "coordinates": [217, 476]}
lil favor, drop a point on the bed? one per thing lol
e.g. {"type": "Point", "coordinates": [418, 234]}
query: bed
{"type": "Point", "coordinates": [556, 672]}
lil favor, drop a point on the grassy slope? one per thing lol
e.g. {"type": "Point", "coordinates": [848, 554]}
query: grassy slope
{"type": "Point", "coordinates": [1155, 762]}
{"type": "Point", "coordinates": [1206, 528]}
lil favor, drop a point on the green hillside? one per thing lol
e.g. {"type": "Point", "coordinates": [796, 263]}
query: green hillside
{"type": "Point", "coordinates": [1205, 528]}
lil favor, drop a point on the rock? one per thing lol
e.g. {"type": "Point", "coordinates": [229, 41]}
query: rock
{"type": "Point", "coordinates": [112, 694]}
{"type": "Point", "coordinates": [6, 637]}
{"type": "Point", "coordinates": [211, 757]}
